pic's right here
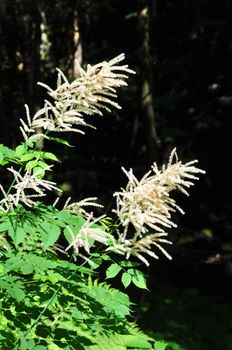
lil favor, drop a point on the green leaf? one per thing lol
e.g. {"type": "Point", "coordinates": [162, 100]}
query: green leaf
{"type": "Point", "coordinates": [55, 277]}
{"type": "Point", "coordinates": [6, 155]}
{"type": "Point", "coordinates": [12, 229]}
{"type": "Point", "coordinates": [26, 269]}
{"type": "Point", "coordinates": [20, 235]}
{"type": "Point", "coordinates": [64, 215]}
{"type": "Point", "coordinates": [1, 157]}
{"type": "Point", "coordinates": [31, 143]}
{"type": "Point", "coordinates": [26, 157]}
{"type": "Point", "coordinates": [20, 150]}
{"type": "Point", "coordinates": [58, 140]}
{"type": "Point", "coordinates": [117, 341]}
{"type": "Point", "coordinates": [43, 165]}
{"type": "Point", "coordinates": [67, 235]}
{"type": "Point", "coordinates": [160, 345]}
{"type": "Point", "coordinates": [70, 266]}
{"type": "Point", "coordinates": [16, 292]}
{"type": "Point", "coordinates": [30, 226]}
{"type": "Point", "coordinates": [95, 263]}
{"type": "Point", "coordinates": [71, 220]}
{"type": "Point", "coordinates": [126, 279]}
{"type": "Point", "coordinates": [105, 257]}
{"type": "Point", "coordinates": [49, 155]}
{"type": "Point", "coordinates": [49, 234]}
{"type": "Point", "coordinates": [4, 226]}
{"type": "Point", "coordinates": [26, 344]}
{"type": "Point", "coordinates": [113, 270]}
{"type": "Point", "coordinates": [13, 263]}
{"type": "Point", "coordinates": [127, 263]}
{"type": "Point", "coordinates": [111, 299]}
{"type": "Point", "coordinates": [138, 278]}
{"type": "Point", "coordinates": [40, 263]}
{"type": "Point", "coordinates": [7, 152]}
{"type": "Point", "coordinates": [32, 164]}
{"type": "Point", "coordinates": [38, 172]}
{"type": "Point", "coordinates": [53, 235]}
{"type": "Point", "coordinates": [132, 341]}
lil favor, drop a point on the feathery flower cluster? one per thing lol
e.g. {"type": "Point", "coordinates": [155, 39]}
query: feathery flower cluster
{"type": "Point", "coordinates": [27, 188]}
{"type": "Point", "coordinates": [137, 247]}
{"type": "Point", "coordinates": [146, 205]}
{"type": "Point", "coordinates": [77, 207]}
{"type": "Point", "coordinates": [87, 235]}
{"type": "Point", "coordinates": [93, 91]}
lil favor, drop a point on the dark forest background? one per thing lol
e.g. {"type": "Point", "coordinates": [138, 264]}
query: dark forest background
{"type": "Point", "coordinates": [180, 97]}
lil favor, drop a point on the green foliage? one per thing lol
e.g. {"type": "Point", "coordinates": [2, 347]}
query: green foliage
{"type": "Point", "coordinates": [26, 155]}
{"type": "Point", "coordinates": [122, 342]}
{"type": "Point", "coordinates": [46, 301]}
{"type": "Point", "coordinates": [40, 228]}
{"type": "Point", "coordinates": [6, 155]}
{"type": "Point", "coordinates": [129, 273]}
{"type": "Point", "coordinates": [57, 304]}
{"type": "Point", "coordinates": [50, 303]}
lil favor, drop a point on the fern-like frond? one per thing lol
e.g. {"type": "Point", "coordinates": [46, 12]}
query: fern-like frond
{"type": "Point", "coordinates": [121, 342]}
{"type": "Point", "coordinates": [112, 300]}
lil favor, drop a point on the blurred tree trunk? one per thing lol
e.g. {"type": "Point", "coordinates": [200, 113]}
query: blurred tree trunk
{"type": "Point", "coordinates": [146, 79]}
{"type": "Point", "coordinates": [78, 56]}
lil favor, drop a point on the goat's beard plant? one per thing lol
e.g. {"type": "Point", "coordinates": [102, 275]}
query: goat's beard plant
{"type": "Point", "coordinates": [48, 301]}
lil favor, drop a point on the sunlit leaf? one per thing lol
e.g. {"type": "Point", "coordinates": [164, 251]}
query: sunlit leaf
{"type": "Point", "coordinates": [49, 155]}
{"type": "Point", "coordinates": [138, 278]}
{"type": "Point", "coordinates": [49, 234]}
{"type": "Point", "coordinates": [59, 140]}
{"type": "Point", "coordinates": [126, 279]}
{"type": "Point", "coordinates": [20, 150]}
{"type": "Point", "coordinates": [160, 345]}
{"type": "Point", "coordinates": [1, 157]}
{"type": "Point", "coordinates": [128, 263]}
{"type": "Point", "coordinates": [30, 165]}
{"type": "Point", "coordinates": [38, 172]}
{"type": "Point", "coordinates": [113, 270]}
{"type": "Point", "coordinates": [20, 235]}
{"type": "Point", "coordinates": [26, 157]}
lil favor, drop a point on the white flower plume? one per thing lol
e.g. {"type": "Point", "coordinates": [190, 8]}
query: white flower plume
{"type": "Point", "coordinates": [77, 208]}
{"type": "Point", "coordinates": [136, 247]}
{"type": "Point", "coordinates": [27, 187]}
{"type": "Point", "coordinates": [146, 204]}
{"type": "Point", "coordinates": [92, 92]}
{"type": "Point", "coordinates": [86, 235]}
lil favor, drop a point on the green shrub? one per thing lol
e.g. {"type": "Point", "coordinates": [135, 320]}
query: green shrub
{"type": "Point", "coordinates": [52, 295]}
